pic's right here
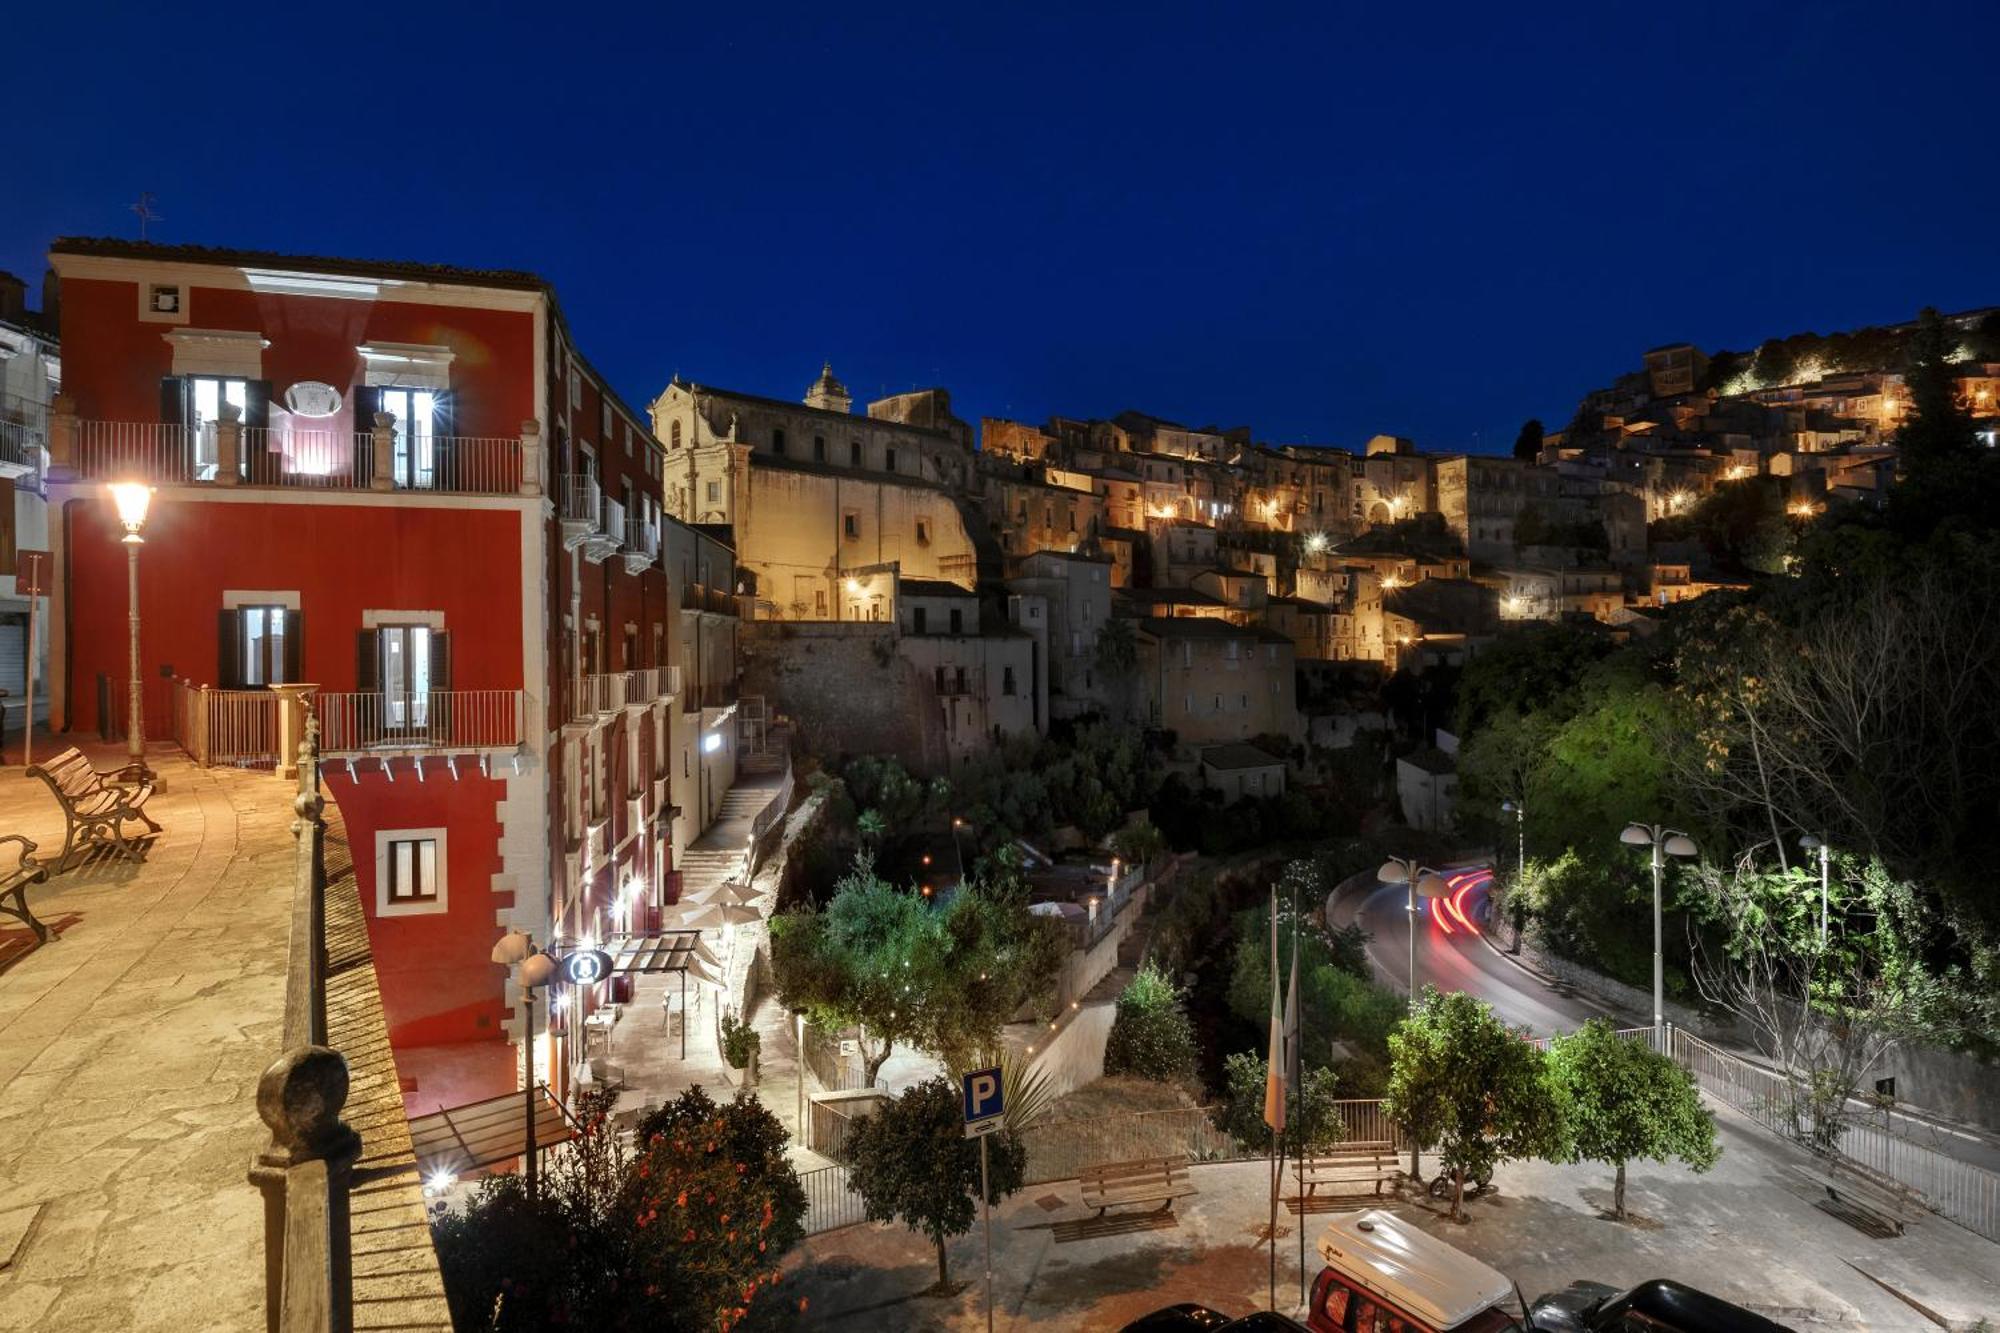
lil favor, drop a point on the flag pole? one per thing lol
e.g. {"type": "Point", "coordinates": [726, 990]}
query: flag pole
{"type": "Point", "coordinates": [1297, 1022]}
{"type": "Point", "coordinates": [1274, 1092]}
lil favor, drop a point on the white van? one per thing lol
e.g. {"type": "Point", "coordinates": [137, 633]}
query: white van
{"type": "Point", "coordinates": [1383, 1275]}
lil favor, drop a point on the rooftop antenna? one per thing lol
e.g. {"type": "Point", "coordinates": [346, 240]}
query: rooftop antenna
{"type": "Point", "coordinates": [144, 208]}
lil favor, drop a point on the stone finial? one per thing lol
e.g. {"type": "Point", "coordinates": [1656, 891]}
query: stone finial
{"type": "Point", "coordinates": [300, 1098]}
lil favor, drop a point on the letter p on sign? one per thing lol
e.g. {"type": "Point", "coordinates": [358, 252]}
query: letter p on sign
{"type": "Point", "coordinates": [983, 1102]}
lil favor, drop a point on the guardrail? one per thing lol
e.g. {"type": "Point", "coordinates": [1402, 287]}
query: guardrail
{"type": "Point", "coordinates": [21, 444]}
{"type": "Point", "coordinates": [218, 727]}
{"type": "Point", "coordinates": [295, 457]}
{"type": "Point", "coordinates": [1967, 1194]}
{"type": "Point", "coordinates": [830, 1200]}
{"type": "Point", "coordinates": [435, 721]}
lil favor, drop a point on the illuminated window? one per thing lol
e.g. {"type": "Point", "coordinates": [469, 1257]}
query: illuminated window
{"type": "Point", "coordinates": [410, 872]}
{"type": "Point", "coordinates": [413, 460]}
{"type": "Point", "coordinates": [261, 632]}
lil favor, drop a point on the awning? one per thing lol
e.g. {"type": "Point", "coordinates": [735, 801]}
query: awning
{"type": "Point", "coordinates": [482, 1133]}
{"type": "Point", "coordinates": [663, 951]}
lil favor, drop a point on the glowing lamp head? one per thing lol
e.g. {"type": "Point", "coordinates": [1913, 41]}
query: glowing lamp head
{"type": "Point", "coordinates": [132, 499]}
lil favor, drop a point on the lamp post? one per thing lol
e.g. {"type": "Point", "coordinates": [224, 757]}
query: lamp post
{"type": "Point", "coordinates": [1813, 842]}
{"type": "Point", "coordinates": [1421, 881]}
{"type": "Point", "coordinates": [956, 849]}
{"type": "Point", "coordinates": [531, 969]}
{"type": "Point", "coordinates": [1418, 880]}
{"type": "Point", "coordinates": [1665, 842]}
{"type": "Point", "coordinates": [1519, 810]}
{"type": "Point", "coordinates": [132, 499]}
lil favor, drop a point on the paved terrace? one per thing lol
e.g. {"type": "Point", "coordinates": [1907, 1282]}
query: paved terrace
{"type": "Point", "coordinates": [130, 1048]}
{"type": "Point", "coordinates": [1743, 1230]}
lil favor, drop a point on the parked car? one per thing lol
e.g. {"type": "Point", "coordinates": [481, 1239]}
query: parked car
{"type": "Point", "coordinates": [1190, 1317]}
{"type": "Point", "coordinates": [1592, 1307]}
{"type": "Point", "coordinates": [1383, 1275]}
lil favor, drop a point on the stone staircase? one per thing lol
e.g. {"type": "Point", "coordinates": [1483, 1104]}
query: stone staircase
{"type": "Point", "coordinates": [703, 869]}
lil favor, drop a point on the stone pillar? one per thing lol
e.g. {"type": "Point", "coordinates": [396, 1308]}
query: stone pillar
{"type": "Point", "coordinates": [531, 457]}
{"type": "Point", "coordinates": [305, 1174]}
{"type": "Point", "coordinates": [228, 444]}
{"type": "Point", "coordinates": [62, 437]}
{"type": "Point", "coordinates": [294, 701]}
{"type": "Point", "coordinates": [383, 475]}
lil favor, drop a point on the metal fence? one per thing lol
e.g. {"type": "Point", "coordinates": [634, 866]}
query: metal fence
{"type": "Point", "coordinates": [297, 457]}
{"type": "Point", "coordinates": [1961, 1191]}
{"type": "Point", "coordinates": [830, 1200]}
{"type": "Point", "coordinates": [388, 721]}
{"type": "Point", "coordinates": [1061, 1149]}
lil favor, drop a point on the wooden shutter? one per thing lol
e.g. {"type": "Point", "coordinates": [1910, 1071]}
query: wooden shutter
{"type": "Point", "coordinates": [173, 401]}
{"type": "Point", "coordinates": [440, 660]}
{"type": "Point", "coordinates": [295, 635]}
{"type": "Point", "coordinates": [229, 650]}
{"type": "Point", "coordinates": [368, 661]}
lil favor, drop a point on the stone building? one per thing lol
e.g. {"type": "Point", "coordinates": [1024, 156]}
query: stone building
{"type": "Point", "coordinates": [812, 492]}
{"type": "Point", "coordinates": [1209, 681]}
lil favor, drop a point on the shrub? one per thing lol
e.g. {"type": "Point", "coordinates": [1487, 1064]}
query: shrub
{"type": "Point", "coordinates": [1151, 1035]}
{"type": "Point", "coordinates": [740, 1042]}
{"type": "Point", "coordinates": [1312, 1112]}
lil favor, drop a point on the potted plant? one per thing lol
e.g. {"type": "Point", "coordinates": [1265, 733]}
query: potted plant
{"type": "Point", "coordinates": [740, 1045]}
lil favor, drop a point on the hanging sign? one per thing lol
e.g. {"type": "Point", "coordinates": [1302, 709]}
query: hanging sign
{"type": "Point", "coordinates": [586, 967]}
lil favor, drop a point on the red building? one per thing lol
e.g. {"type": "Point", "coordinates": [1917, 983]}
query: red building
{"type": "Point", "coordinates": [401, 485]}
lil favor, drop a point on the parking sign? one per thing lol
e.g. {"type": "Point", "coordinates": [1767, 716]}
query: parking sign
{"type": "Point", "coordinates": [983, 1103]}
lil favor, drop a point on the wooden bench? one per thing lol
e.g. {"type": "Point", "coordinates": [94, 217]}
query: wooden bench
{"type": "Point", "coordinates": [95, 808]}
{"type": "Point", "coordinates": [14, 884]}
{"type": "Point", "coordinates": [1158, 1180]}
{"type": "Point", "coordinates": [1889, 1202]}
{"type": "Point", "coordinates": [1348, 1167]}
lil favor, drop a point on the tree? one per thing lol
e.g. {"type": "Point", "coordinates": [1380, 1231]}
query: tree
{"type": "Point", "coordinates": [912, 1161]}
{"type": "Point", "coordinates": [710, 1207]}
{"type": "Point", "coordinates": [1313, 1122]}
{"type": "Point", "coordinates": [1938, 429]}
{"type": "Point", "coordinates": [1627, 1103]}
{"type": "Point", "coordinates": [1461, 1080]}
{"type": "Point", "coordinates": [943, 978]}
{"type": "Point", "coordinates": [1151, 1036]}
{"type": "Point", "coordinates": [1528, 444]}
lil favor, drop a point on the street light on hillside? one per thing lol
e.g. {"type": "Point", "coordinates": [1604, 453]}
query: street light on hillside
{"type": "Point", "coordinates": [1519, 810]}
{"type": "Point", "coordinates": [1665, 842]}
{"type": "Point", "coordinates": [132, 499]}
{"type": "Point", "coordinates": [1421, 881]}
{"type": "Point", "coordinates": [1813, 842]}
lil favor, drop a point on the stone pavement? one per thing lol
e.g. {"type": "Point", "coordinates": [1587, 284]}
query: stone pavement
{"type": "Point", "coordinates": [1742, 1230]}
{"type": "Point", "coordinates": [130, 1048]}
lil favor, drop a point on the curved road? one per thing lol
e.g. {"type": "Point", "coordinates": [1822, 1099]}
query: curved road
{"type": "Point", "coordinates": [1453, 954]}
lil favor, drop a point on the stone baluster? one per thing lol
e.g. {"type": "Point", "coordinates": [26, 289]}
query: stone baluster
{"type": "Point", "coordinates": [531, 457]}
{"type": "Point", "coordinates": [228, 444]}
{"type": "Point", "coordinates": [62, 437]}
{"type": "Point", "coordinates": [383, 476]}
{"type": "Point", "coordinates": [305, 1174]}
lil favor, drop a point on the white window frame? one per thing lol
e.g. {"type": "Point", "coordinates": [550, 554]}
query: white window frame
{"type": "Point", "coordinates": [406, 366]}
{"type": "Point", "coordinates": [222, 353]}
{"type": "Point", "coordinates": [387, 907]}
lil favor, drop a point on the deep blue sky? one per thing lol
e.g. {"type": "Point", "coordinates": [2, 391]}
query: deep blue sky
{"type": "Point", "coordinates": [1428, 219]}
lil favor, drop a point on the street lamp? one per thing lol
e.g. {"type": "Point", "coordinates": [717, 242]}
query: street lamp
{"type": "Point", "coordinates": [1519, 810]}
{"type": "Point", "coordinates": [132, 499]}
{"type": "Point", "coordinates": [957, 850]}
{"type": "Point", "coordinates": [1812, 842]}
{"type": "Point", "coordinates": [1665, 842]}
{"type": "Point", "coordinates": [1421, 881]}
{"type": "Point", "coordinates": [531, 969]}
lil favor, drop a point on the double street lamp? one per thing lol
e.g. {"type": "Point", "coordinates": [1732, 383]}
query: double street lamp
{"type": "Point", "coordinates": [1665, 842]}
{"type": "Point", "coordinates": [1421, 881]}
{"type": "Point", "coordinates": [531, 969]}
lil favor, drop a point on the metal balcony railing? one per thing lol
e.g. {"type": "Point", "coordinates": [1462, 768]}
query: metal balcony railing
{"type": "Point", "coordinates": [608, 692]}
{"type": "Point", "coordinates": [580, 502]}
{"type": "Point", "coordinates": [297, 457]}
{"type": "Point", "coordinates": [434, 721]}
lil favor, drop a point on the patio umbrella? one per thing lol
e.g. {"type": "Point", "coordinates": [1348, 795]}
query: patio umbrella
{"type": "Point", "coordinates": [705, 973]}
{"type": "Point", "coordinates": [710, 916]}
{"type": "Point", "coordinates": [726, 891]}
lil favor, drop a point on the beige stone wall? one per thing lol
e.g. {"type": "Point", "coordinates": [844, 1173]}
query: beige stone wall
{"type": "Point", "coordinates": [1204, 693]}
{"type": "Point", "coordinates": [800, 533]}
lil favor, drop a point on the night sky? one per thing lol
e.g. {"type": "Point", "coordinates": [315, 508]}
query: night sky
{"type": "Point", "coordinates": [1427, 219]}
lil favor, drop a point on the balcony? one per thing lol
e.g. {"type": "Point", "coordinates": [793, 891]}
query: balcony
{"type": "Point", "coordinates": [433, 722]}
{"type": "Point", "coordinates": [602, 544]}
{"type": "Point", "coordinates": [605, 694]}
{"type": "Point", "coordinates": [295, 458]}
{"type": "Point", "coordinates": [711, 601]}
{"type": "Point", "coordinates": [642, 544]}
{"type": "Point", "coordinates": [582, 510]}
{"type": "Point", "coordinates": [22, 455]}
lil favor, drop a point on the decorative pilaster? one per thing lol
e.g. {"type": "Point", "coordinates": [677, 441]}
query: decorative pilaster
{"type": "Point", "coordinates": [383, 477]}
{"type": "Point", "coordinates": [62, 437]}
{"type": "Point", "coordinates": [531, 457]}
{"type": "Point", "coordinates": [228, 444]}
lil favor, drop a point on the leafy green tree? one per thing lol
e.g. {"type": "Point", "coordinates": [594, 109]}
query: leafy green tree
{"type": "Point", "coordinates": [1313, 1121]}
{"type": "Point", "coordinates": [912, 1162]}
{"type": "Point", "coordinates": [943, 978]}
{"type": "Point", "coordinates": [1461, 1080]}
{"type": "Point", "coordinates": [1627, 1103]}
{"type": "Point", "coordinates": [1528, 444]}
{"type": "Point", "coordinates": [1937, 428]}
{"type": "Point", "coordinates": [1151, 1036]}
